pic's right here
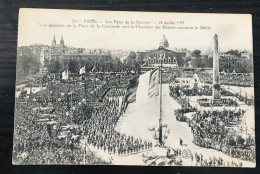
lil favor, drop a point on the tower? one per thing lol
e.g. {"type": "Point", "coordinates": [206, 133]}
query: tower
{"type": "Point", "coordinates": [62, 47]}
{"type": "Point", "coordinates": [53, 41]}
{"type": "Point", "coordinates": [216, 85]}
{"type": "Point", "coordinates": [61, 41]}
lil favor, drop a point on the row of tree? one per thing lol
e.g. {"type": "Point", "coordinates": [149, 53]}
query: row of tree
{"type": "Point", "coordinates": [56, 65]}
{"type": "Point", "coordinates": [232, 63]}
{"type": "Point", "coordinates": [29, 63]}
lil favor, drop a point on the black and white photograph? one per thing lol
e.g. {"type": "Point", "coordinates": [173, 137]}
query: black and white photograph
{"type": "Point", "coordinates": [134, 88]}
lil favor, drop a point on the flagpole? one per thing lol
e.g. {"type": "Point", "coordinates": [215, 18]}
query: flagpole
{"type": "Point", "coordinates": [160, 93]}
{"type": "Point", "coordinates": [71, 110]}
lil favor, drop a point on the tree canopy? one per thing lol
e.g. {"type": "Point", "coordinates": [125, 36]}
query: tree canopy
{"type": "Point", "coordinates": [196, 53]}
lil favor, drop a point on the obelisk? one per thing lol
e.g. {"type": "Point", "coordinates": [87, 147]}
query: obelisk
{"type": "Point", "coordinates": [216, 85]}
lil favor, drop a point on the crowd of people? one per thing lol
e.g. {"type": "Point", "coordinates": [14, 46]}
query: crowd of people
{"type": "Point", "coordinates": [43, 127]}
{"type": "Point", "coordinates": [52, 124]}
{"type": "Point", "coordinates": [178, 96]}
{"type": "Point", "coordinates": [214, 129]}
{"type": "Point", "coordinates": [213, 122]}
{"type": "Point", "coordinates": [214, 162]}
{"type": "Point", "coordinates": [176, 157]}
{"type": "Point", "coordinates": [206, 90]}
{"type": "Point", "coordinates": [205, 77]}
{"type": "Point", "coordinates": [237, 79]}
{"type": "Point", "coordinates": [205, 102]}
{"type": "Point", "coordinates": [36, 134]}
{"type": "Point", "coordinates": [100, 128]}
{"type": "Point", "coordinates": [195, 91]}
{"type": "Point", "coordinates": [247, 154]}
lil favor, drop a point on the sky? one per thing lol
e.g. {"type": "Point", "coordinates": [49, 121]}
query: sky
{"type": "Point", "coordinates": [233, 30]}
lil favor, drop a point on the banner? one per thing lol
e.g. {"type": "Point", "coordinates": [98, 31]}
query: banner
{"type": "Point", "coordinates": [82, 70]}
{"type": "Point", "coordinates": [154, 83]}
{"type": "Point", "coordinates": [94, 68]}
{"type": "Point", "coordinates": [65, 75]}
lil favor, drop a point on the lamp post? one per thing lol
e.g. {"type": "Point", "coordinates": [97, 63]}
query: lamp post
{"type": "Point", "coordinates": [85, 88]}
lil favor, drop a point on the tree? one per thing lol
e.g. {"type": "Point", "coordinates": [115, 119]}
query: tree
{"type": "Point", "coordinates": [188, 59]}
{"type": "Point", "coordinates": [234, 52]}
{"type": "Point", "coordinates": [246, 66]}
{"type": "Point", "coordinates": [73, 66]}
{"type": "Point", "coordinates": [194, 63]}
{"type": "Point", "coordinates": [181, 61]}
{"type": "Point", "coordinates": [58, 65]}
{"type": "Point", "coordinates": [119, 66]}
{"type": "Point", "coordinates": [210, 62]}
{"type": "Point", "coordinates": [55, 65]}
{"type": "Point", "coordinates": [196, 53]}
{"type": "Point", "coordinates": [46, 62]}
{"type": "Point", "coordinates": [28, 64]}
{"type": "Point", "coordinates": [131, 56]}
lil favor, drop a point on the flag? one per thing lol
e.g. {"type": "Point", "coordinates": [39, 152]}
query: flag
{"type": "Point", "coordinates": [65, 75]}
{"type": "Point", "coordinates": [154, 83]}
{"type": "Point", "coordinates": [94, 68]}
{"type": "Point", "coordinates": [82, 70]}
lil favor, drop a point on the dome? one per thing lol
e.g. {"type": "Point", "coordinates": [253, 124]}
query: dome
{"type": "Point", "coordinates": [164, 42]}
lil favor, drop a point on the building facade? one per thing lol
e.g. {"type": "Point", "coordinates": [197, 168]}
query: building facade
{"type": "Point", "coordinates": [161, 56]}
{"type": "Point", "coordinates": [63, 52]}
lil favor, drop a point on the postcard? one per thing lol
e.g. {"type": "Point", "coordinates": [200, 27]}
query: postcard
{"type": "Point", "coordinates": [134, 88]}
